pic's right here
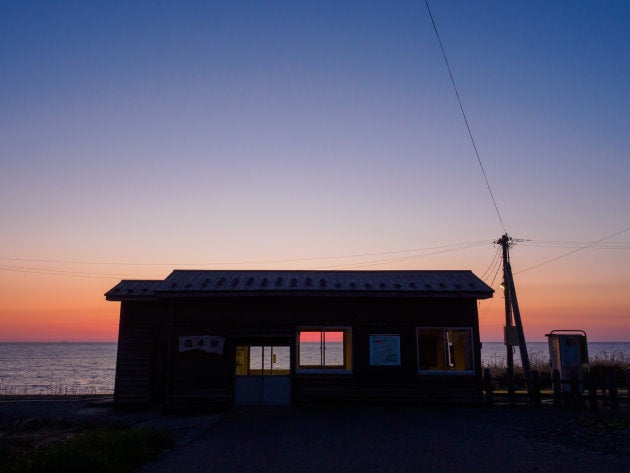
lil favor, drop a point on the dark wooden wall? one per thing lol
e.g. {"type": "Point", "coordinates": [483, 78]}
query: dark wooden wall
{"type": "Point", "coordinates": [150, 370]}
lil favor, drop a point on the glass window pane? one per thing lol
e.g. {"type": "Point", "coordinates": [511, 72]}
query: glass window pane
{"type": "Point", "coordinates": [431, 349]}
{"type": "Point", "coordinates": [333, 349]}
{"type": "Point", "coordinates": [280, 359]}
{"type": "Point", "coordinates": [459, 351]}
{"type": "Point", "coordinates": [324, 349]}
{"type": "Point", "coordinates": [255, 360]}
{"type": "Point", "coordinates": [310, 349]}
{"type": "Point", "coordinates": [242, 360]}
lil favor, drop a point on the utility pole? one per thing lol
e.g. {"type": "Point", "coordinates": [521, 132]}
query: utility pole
{"type": "Point", "coordinates": [514, 334]}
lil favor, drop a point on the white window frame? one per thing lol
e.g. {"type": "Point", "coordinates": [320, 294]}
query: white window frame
{"type": "Point", "coordinates": [448, 372]}
{"type": "Point", "coordinates": [323, 370]}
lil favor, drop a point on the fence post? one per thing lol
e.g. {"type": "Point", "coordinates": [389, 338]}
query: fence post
{"type": "Point", "coordinates": [592, 391]}
{"type": "Point", "coordinates": [487, 378]}
{"type": "Point", "coordinates": [576, 395]}
{"type": "Point", "coordinates": [557, 390]}
{"type": "Point", "coordinates": [510, 385]}
{"type": "Point", "coordinates": [612, 389]}
{"type": "Point", "coordinates": [536, 400]}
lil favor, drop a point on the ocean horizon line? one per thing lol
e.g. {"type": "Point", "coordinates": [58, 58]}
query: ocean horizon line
{"type": "Point", "coordinates": [116, 341]}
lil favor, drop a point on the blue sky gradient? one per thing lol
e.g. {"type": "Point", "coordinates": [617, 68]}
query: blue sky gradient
{"type": "Point", "coordinates": [232, 133]}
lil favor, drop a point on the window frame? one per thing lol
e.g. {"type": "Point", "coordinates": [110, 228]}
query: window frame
{"type": "Point", "coordinates": [453, 372]}
{"type": "Point", "coordinates": [318, 369]}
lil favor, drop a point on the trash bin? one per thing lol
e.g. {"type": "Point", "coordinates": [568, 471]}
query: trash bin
{"type": "Point", "coordinates": [568, 353]}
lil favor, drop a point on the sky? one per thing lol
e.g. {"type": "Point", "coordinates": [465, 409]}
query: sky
{"type": "Point", "coordinates": [141, 137]}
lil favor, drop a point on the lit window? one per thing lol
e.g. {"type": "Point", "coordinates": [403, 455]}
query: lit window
{"type": "Point", "coordinates": [324, 349]}
{"type": "Point", "coordinates": [263, 360]}
{"type": "Point", "coordinates": [445, 349]}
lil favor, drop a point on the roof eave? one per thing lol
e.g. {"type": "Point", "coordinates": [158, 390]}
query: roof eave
{"type": "Point", "coordinates": [326, 294]}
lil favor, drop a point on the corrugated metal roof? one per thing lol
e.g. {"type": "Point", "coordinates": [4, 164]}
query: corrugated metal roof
{"type": "Point", "coordinates": [133, 289]}
{"type": "Point", "coordinates": [189, 283]}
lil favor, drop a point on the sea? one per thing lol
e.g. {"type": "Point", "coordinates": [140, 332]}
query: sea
{"type": "Point", "coordinates": [89, 368]}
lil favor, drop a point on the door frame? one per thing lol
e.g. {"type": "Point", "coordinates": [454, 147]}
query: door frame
{"type": "Point", "coordinates": [264, 388]}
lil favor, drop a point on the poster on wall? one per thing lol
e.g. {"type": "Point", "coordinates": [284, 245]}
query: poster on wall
{"type": "Point", "coordinates": [385, 350]}
{"type": "Point", "coordinates": [207, 343]}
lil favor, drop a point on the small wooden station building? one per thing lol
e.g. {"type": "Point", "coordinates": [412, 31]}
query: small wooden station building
{"type": "Point", "coordinates": [223, 338]}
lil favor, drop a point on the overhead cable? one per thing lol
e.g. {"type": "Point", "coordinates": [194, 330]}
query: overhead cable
{"type": "Point", "coordinates": [574, 251]}
{"type": "Point", "coordinates": [461, 107]}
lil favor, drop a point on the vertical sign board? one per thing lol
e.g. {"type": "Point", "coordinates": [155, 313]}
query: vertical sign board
{"type": "Point", "coordinates": [385, 350]}
{"type": "Point", "coordinates": [568, 353]}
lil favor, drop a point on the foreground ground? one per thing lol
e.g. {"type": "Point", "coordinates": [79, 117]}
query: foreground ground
{"type": "Point", "coordinates": [367, 439]}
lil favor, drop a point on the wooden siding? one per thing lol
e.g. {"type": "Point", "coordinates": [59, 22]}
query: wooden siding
{"type": "Point", "coordinates": [134, 366]}
{"type": "Point", "coordinates": [150, 369]}
{"type": "Point", "coordinates": [142, 346]}
{"type": "Point", "coordinates": [314, 389]}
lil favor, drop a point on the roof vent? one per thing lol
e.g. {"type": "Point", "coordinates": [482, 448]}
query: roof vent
{"type": "Point", "coordinates": [263, 282]}
{"type": "Point", "coordinates": [250, 281]}
{"type": "Point", "coordinates": [382, 285]}
{"type": "Point", "coordinates": [322, 282]}
{"type": "Point", "coordinates": [294, 282]}
{"type": "Point", "coordinates": [278, 281]}
{"type": "Point", "coordinates": [234, 282]}
{"type": "Point", "coordinates": [308, 281]}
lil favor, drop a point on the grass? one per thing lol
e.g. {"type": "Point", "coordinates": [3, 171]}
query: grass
{"type": "Point", "coordinates": [51, 389]}
{"type": "Point", "coordinates": [599, 367]}
{"type": "Point", "coordinates": [102, 450]}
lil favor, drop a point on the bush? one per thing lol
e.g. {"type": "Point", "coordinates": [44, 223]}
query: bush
{"type": "Point", "coordinates": [599, 367]}
{"type": "Point", "coordinates": [97, 451]}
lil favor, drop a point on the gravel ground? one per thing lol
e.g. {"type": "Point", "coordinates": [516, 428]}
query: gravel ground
{"type": "Point", "coordinates": [369, 439]}
{"type": "Point", "coordinates": [365, 438]}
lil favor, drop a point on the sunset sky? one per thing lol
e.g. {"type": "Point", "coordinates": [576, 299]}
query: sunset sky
{"type": "Point", "coordinates": [141, 137]}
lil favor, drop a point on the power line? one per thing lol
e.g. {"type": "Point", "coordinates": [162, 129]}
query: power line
{"type": "Point", "coordinates": [574, 251]}
{"type": "Point", "coordinates": [461, 107]}
{"type": "Point", "coordinates": [492, 263]}
{"type": "Point", "coordinates": [49, 273]}
{"type": "Point", "coordinates": [439, 250]}
{"type": "Point", "coordinates": [199, 263]}
{"type": "Point", "coordinates": [577, 244]}
{"type": "Point", "coordinates": [408, 258]}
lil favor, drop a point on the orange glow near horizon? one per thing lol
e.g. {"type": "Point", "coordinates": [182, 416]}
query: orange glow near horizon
{"type": "Point", "coordinates": [55, 308]}
{"type": "Point", "coordinates": [316, 336]}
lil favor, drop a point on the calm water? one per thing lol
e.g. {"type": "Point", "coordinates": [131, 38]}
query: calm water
{"type": "Point", "coordinates": [89, 368]}
{"type": "Point", "coordinates": [57, 368]}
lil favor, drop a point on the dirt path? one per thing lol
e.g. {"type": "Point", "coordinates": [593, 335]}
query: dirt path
{"type": "Point", "coordinates": [365, 439]}
{"type": "Point", "coordinates": [394, 440]}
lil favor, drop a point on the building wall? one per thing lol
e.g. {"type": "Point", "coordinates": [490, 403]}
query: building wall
{"type": "Point", "coordinates": [149, 369]}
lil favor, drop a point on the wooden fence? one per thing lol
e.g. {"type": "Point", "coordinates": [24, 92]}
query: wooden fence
{"type": "Point", "coordinates": [575, 393]}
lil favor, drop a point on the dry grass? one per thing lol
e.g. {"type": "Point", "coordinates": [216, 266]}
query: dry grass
{"type": "Point", "coordinates": [600, 366]}
{"type": "Point", "coordinates": [51, 389]}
